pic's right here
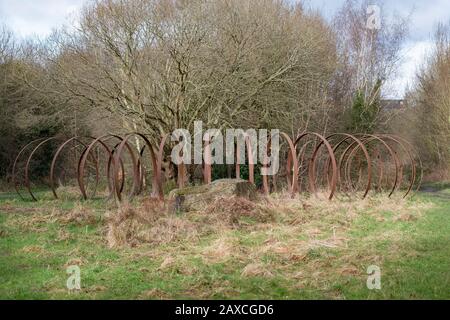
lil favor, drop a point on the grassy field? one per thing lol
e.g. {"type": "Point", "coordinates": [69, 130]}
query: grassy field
{"type": "Point", "coordinates": [279, 249]}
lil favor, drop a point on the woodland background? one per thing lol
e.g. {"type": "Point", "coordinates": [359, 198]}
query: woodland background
{"type": "Point", "coordinates": [157, 65]}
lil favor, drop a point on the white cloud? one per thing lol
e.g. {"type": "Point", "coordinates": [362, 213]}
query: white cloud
{"type": "Point", "coordinates": [38, 17]}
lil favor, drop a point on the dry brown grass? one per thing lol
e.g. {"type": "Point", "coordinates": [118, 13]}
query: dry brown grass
{"type": "Point", "coordinates": [305, 239]}
{"type": "Point", "coordinates": [34, 249]}
{"type": "Point", "coordinates": [153, 222]}
{"type": "Point", "coordinates": [154, 294]}
{"type": "Point", "coordinates": [80, 215]}
{"type": "Point", "coordinates": [68, 192]}
{"type": "Point", "coordinates": [279, 217]}
{"type": "Point", "coordinates": [231, 210]}
{"type": "Point", "coordinates": [149, 222]}
{"type": "Point", "coordinates": [220, 250]}
{"type": "Point", "coordinates": [305, 232]}
{"type": "Point", "coordinates": [39, 218]}
{"type": "Point", "coordinates": [3, 233]}
{"type": "Point", "coordinates": [36, 219]}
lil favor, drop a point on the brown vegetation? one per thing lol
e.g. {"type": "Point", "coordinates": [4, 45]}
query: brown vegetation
{"type": "Point", "coordinates": [279, 214]}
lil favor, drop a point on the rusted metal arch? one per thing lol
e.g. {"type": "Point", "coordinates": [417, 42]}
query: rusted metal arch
{"type": "Point", "coordinates": [291, 166]}
{"type": "Point", "coordinates": [367, 138]}
{"type": "Point", "coordinates": [349, 152]}
{"type": "Point", "coordinates": [312, 185]}
{"type": "Point", "coordinates": [81, 169]}
{"type": "Point", "coordinates": [400, 180]}
{"type": "Point", "coordinates": [301, 161]}
{"type": "Point", "coordinates": [108, 172]}
{"type": "Point", "coordinates": [347, 165]}
{"type": "Point", "coordinates": [207, 170]}
{"type": "Point", "coordinates": [311, 178]}
{"type": "Point", "coordinates": [83, 160]}
{"type": "Point", "coordinates": [326, 168]}
{"type": "Point", "coordinates": [57, 153]}
{"type": "Point", "coordinates": [117, 156]}
{"type": "Point", "coordinates": [141, 171]}
{"type": "Point", "coordinates": [414, 151]}
{"type": "Point", "coordinates": [341, 163]}
{"type": "Point", "coordinates": [394, 158]}
{"type": "Point", "coordinates": [352, 150]}
{"type": "Point", "coordinates": [300, 157]}
{"type": "Point", "coordinates": [411, 158]}
{"type": "Point", "coordinates": [181, 168]}
{"type": "Point", "coordinates": [27, 167]}
{"type": "Point", "coordinates": [251, 164]}
{"type": "Point", "coordinates": [14, 180]}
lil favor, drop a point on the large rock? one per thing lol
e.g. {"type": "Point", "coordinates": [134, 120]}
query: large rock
{"type": "Point", "coordinates": [199, 197]}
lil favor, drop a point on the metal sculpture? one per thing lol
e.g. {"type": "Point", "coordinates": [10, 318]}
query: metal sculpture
{"type": "Point", "coordinates": [351, 163]}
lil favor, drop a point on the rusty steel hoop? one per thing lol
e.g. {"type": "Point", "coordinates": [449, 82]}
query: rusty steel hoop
{"type": "Point", "coordinates": [181, 168]}
{"type": "Point", "coordinates": [340, 162]}
{"type": "Point", "coordinates": [399, 141]}
{"type": "Point", "coordinates": [415, 153]}
{"type": "Point", "coordinates": [312, 163]}
{"type": "Point", "coordinates": [55, 158]}
{"type": "Point", "coordinates": [27, 167]}
{"type": "Point", "coordinates": [251, 162]}
{"type": "Point", "coordinates": [14, 180]}
{"type": "Point", "coordinates": [117, 156]}
{"type": "Point", "coordinates": [291, 166]}
{"type": "Point", "coordinates": [369, 138]}
{"type": "Point", "coordinates": [83, 160]}
{"type": "Point", "coordinates": [207, 168]}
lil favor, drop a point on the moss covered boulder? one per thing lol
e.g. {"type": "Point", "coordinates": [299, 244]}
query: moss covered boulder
{"type": "Point", "coordinates": [199, 197]}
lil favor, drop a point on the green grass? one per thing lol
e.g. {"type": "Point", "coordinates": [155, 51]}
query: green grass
{"type": "Point", "coordinates": [272, 260]}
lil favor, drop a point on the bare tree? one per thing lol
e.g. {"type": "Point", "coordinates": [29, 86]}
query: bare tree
{"type": "Point", "coordinates": [6, 45]}
{"type": "Point", "coordinates": [431, 101]}
{"type": "Point", "coordinates": [161, 65]}
{"type": "Point", "coordinates": [368, 54]}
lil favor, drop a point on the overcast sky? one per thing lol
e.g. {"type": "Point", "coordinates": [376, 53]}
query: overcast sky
{"type": "Point", "coordinates": [38, 17]}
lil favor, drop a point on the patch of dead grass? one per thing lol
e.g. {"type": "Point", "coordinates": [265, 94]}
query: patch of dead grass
{"type": "Point", "coordinates": [147, 223]}
{"type": "Point", "coordinates": [33, 249]}
{"type": "Point", "coordinates": [80, 215]}
{"type": "Point", "coordinates": [154, 294]}
{"type": "Point", "coordinates": [220, 250]}
{"type": "Point", "coordinates": [232, 209]}
{"type": "Point", "coordinates": [305, 238]}
{"type": "Point", "coordinates": [256, 270]}
{"type": "Point", "coordinates": [38, 219]}
{"type": "Point", "coordinates": [75, 262]}
{"type": "Point", "coordinates": [68, 192]}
